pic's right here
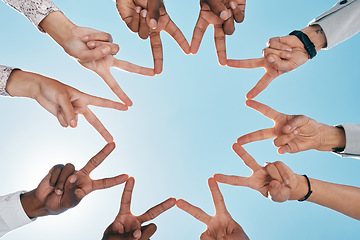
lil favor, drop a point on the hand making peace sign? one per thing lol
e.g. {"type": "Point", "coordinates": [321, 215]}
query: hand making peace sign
{"type": "Point", "coordinates": [219, 227]}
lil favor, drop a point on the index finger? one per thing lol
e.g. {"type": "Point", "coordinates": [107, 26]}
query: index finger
{"type": "Point", "coordinates": [98, 158]}
{"type": "Point", "coordinates": [178, 36]}
{"type": "Point", "coordinates": [246, 157]}
{"type": "Point", "coordinates": [217, 196]}
{"type": "Point", "coordinates": [106, 103]}
{"type": "Point", "coordinates": [246, 63]}
{"type": "Point", "coordinates": [263, 109]}
{"type": "Point", "coordinates": [126, 197]}
{"type": "Point", "coordinates": [256, 136]}
{"type": "Point", "coordinates": [220, 44]}
{"type": "Point", "coordinates": [260, 86]}
{"type": "Point", "coordinates": [196, 212]}
{"type": "Point", "coordinates": [95, 122]}
{"type": "Point", "coordinates": [133, 68]}
{"type": "Point", "coordinates": [198, 34]}
{"type": "Point", "coordinates": [109, 182]}
{"type": "Point", "coordinates": [157, 210]}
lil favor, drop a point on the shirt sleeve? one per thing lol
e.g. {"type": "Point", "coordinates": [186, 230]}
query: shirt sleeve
{"type": "Point", "coordinates": [4, 76]}
{"type": "Point", "coordinates": [34, 10]}
{"type": "Point", "coordinates": [12, 214]}
{"type": "Point", "coordinates": [341, 22]}
{"type": "Point", "coordinates": [352, 146]}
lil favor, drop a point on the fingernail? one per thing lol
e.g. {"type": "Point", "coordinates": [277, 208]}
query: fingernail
{"type": "Point", "coordinates": [105, 50]}
{"type": "Point", "coordinates": [288, 127]}
{"type": "Point", "coordinates": [224, 15]}
{"type": "Point", "coordinates": [92, 44]}
{"type": "Point", "coordinates": [288, 55]}
{"type": "Point", "coordinates": [271, 59]}
{"type": "Point", "coordinates": [153, 24]}
{"type": "Point", "coordinates": [73, 180]}
{"type": "Point", "coordinates": [86, 38]}
{"type": "Point", "coordinates": [73, 123]}
{"type": "Point", "coordinates": [143, 13]}
{"type": "Point", "coordinates": [58, 192]}
{"type": "Point", "coordinates": [138, 9]}
{"type": "Point", "coordinates": [137, 234]}
{"type": "Point", "coordinates": [289, 49]}
{"type": "Point", "coordinates": [232, 5]}
{"type": "Point", "coordinates": [296, 132]}
{"type": "Point", "coordinates": [287, 181]}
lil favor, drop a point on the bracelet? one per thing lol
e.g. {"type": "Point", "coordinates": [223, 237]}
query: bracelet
{"type": "Point", "coordinates": [309, 192]}
{"type": "Point", "coordinates": [308, 45]}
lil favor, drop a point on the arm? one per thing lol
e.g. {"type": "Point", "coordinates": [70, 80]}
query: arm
{"type": "Point", "coordinates": [339, 23]}
{"type": "Point", "coordinates": [63, 101]}
{"type": "Point", "coordinates": [278, 182]}
{"type": "Point", "coordinates": [12, 214]}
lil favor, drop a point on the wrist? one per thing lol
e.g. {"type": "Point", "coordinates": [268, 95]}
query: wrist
{"type": "Point", "coordinates": [31, 205]}
{"type": "Point", "coordinates": [316, 36]}
{"type": "Point", "coordinates": [301, 190]}
{"type": "Point", "coordinates": [22, 84]}
{"type": "Point", "coordinates": [332, 138]}
{"type": "Point", "coordinates": [58, 26]}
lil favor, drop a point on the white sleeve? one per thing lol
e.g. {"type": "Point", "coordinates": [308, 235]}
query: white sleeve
{"type": "Point", "coordinates": [352, 146]}
{"type": "Point", "coordinates": [34, 10]}
{"type": "Point", "coordinates": [12, 214]}
{"type": "Point", "coordinates": [341, 22]}
{"type": "Point", "coordinates": [4, 76]}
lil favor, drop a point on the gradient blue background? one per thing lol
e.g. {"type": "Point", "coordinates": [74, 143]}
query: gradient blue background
{"type": "Point", "coordinates": [182, 125]}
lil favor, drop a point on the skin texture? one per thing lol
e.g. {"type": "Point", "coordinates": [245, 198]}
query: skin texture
{"type": "Point", "coordinates": [63, 187]}
{"type": "Point", "coordinates": [93, 49]}
{"type": "Point", "coordinates": [126, 226]}
{"type": "Point", "coordinates": [278, 182]}
{"type": "Point", "coordinates": [149, 18]}
{"type": "Point", "coordinates": [219, 227]}
{"type": "Point", "coordinates": [294, 133]}
{"type": "Point", "coordinates": [220, 14]}
{"type": "Point", "coordinates": [61, 100]}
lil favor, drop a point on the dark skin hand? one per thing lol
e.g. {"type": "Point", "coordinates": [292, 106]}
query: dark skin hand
{"type": "Point", "coordinates": [64, 187]}
{"type": "Point", "coordinates": [126, 226]}
{"type": "Point", "coordinates": [221, 14]}
{"type": "Point", "coordinates": [219, 227]}
{"type": "Point", "coordinates": [149, 18]}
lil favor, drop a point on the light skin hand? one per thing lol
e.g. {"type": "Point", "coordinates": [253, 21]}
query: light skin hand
{"type": "Point", "coordinates": [63, 101]}
{"type": "Point", "coordinates": [64, 188]}
{"type": "Point", "coordinates": [221, 14]}
{"type": "Point", "coordinates": [282, 54]}
{"type": "Point", "coordinates": [219, 227]}
{"type": "Point", "coordinates": [149, 18]}
{"type": "Point", "coordinates": [126, 226]}
{"type": "Point", "coordinates": [281, 184]}
{"type": "Point", "coordinates": [74, 39]}
{"type": "Point", "coordinates": [294, 133]}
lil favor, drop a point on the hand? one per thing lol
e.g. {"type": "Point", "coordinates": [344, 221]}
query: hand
{"type": "Point", "coordinates": [221, 14]}
{"type": "Point", "coordinates": [149, 18]}
{"type": "Point", "coordinates": [126, 226]}
{"type": "Point", "coordinates": [274, 179]}
{"type": "Point", "coordinates": [64, 188]}
{"type": "Point", "coordinates": [295, 133]}
{"type": "Point", "coordinates": [219, 227]}
{"type": "Point", "coordinates": [63, 101]}
{"type": "Point", "coordinates": [275, 61]}
{"type": "Point", "coordinates": [93, 50]}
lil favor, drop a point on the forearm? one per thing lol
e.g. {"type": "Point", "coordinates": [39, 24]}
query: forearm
{"type": "Point", "coordinates": [316, 35]}
{"type": "Point", "coordinates": [34, 10]}
{"type": "Point", "coordinates": [58, 26]}
{"type": "Point", "coordinates": [340, 22]}
{"type": "Point", "coordinates": [12, 214]}
{"type": "Point", "coordinates": [23, 84]}
{"type": "Point", "coordinates": [342, 198]}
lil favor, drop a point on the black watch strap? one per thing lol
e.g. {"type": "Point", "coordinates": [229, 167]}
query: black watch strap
{"type": "Point", "coordinates": [309, 46]}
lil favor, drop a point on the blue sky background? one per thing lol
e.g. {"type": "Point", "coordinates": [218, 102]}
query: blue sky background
{"type": "Point", "coordinates": [182, 125]}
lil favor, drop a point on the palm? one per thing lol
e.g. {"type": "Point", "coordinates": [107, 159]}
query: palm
{"type": "Point", "coordinates": [223, 227]}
